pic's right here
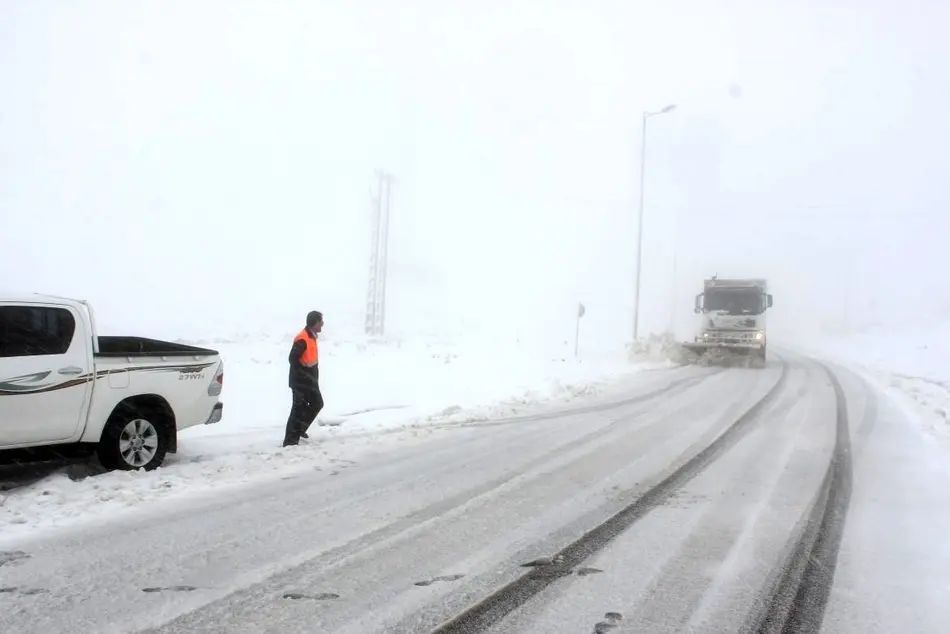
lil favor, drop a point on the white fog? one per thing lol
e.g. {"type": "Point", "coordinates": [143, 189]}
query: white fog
{"type": "Point", "coordinates": [210, 163]}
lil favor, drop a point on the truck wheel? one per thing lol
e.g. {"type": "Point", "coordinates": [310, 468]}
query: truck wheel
{"type": "Point", "coordinates": [759, 359]}
{"type": "Point", "coordinates": [132, 441]}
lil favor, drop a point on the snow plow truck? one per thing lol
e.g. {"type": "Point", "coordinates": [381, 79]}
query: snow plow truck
{"type": "Point", "coordinates": [733, 321]}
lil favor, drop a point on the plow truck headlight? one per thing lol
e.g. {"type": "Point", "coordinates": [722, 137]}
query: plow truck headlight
{"type": "Point", "coordinates": [759, 336]}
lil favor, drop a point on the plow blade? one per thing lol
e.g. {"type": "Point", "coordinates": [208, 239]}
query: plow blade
{"type": "Point", "coordinates": [723, 354]}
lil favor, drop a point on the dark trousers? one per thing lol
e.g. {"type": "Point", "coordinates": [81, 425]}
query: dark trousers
{"type": "Point", "coordinates": [303, 412]}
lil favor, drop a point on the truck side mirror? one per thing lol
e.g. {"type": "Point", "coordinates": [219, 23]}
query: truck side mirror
{"type": "Point", "coordinates": [698, 305]}
{"type": "Point", "coordinates": [769, 299]}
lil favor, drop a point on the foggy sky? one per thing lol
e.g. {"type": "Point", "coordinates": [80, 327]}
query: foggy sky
{"type": "Point", "coordinates": [206, 166]}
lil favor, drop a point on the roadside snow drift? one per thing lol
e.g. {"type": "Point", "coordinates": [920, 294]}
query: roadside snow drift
{"type": "Point", "coordinates": [375, 393]}
{"type": "Point", "coordinates": [911, 365]}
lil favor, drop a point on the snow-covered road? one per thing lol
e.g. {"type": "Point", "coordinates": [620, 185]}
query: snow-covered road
{"type": "Point", "coordinates": [709, 500]}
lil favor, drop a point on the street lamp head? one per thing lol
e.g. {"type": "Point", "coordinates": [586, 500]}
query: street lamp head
{"type": "Point", "coordinates": [669, 108]}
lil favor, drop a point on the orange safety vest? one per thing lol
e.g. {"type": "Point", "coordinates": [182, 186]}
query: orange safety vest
{"type": "Point", "coordinates": [311, 353]}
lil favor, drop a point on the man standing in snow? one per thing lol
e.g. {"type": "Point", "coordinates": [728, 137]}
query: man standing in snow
{"type": "Point", "coordinates": [304, 380]}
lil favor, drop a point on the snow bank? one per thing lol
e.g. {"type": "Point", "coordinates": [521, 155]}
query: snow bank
{"type": "Point", "coordinates": [913, 365]}
{"type": "Point", "coordinates": [374, 385]}
{"type": "Point", "coordinates": [376, 392]}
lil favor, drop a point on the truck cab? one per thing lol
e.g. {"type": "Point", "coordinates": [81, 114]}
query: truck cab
{"type": "Point", "coordinates": [732, 313]}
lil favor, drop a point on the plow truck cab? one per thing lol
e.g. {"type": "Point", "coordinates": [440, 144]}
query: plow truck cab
{"type": "Point", "coordinates": [732, 313]}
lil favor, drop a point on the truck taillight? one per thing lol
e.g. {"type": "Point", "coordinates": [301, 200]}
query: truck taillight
{"type": "Point", "coordinates": [217, 383]}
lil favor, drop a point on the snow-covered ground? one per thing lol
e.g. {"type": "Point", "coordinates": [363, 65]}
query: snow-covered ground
{"type": "Point", "coordinates": [376, 392]}
{"type": "Point", "coordinates": [912, 365]}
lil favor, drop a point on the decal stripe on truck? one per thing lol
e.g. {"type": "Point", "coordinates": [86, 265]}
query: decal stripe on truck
{"type": "Point", "coordinates": [31, 383]}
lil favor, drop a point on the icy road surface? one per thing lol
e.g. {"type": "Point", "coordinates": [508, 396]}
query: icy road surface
{"type": "Point", "coordinates": [792, 498]}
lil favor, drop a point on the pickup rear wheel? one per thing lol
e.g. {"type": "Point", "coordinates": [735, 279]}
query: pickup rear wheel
{"type": "Point", "coordinates": [134, 440]}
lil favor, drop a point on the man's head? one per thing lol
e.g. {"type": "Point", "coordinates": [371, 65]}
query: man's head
{"type": "Point", "coordinates": [315, 321]}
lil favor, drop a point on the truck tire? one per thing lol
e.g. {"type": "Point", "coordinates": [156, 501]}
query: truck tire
{"type": "Point", "coordinates": [134, 440]}
{"type": "Point", "coordinates": [759, 359]}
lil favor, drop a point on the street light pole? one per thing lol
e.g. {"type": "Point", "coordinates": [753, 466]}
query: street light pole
{"type": "Point", "coordinates": [643, 156]}
{"type": "Point", "coordinates": [673, 289]}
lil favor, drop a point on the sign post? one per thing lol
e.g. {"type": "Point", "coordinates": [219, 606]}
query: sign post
{"type": "Point", "coordinates": [577, 325]}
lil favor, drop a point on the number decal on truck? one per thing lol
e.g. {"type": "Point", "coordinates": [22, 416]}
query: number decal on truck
{"type": "Point", "coordinates": [191, 374]}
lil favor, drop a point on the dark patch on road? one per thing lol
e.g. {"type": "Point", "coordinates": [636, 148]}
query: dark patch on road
{"type": "Point", "coordinates": [796, 601]}
{"type": "Point", "coordinates": [429, 582]}
{"type": "Point", "coordinates": [583, 572]}
{"type": "Point", "coordinates": [322, 596]}
{"type": "Point", "coordinates": [23, 591]}
{"type": "Point", "coordinates": [171, 589]}
{"type": "Point", "coordinates": [552, 567]}
{"type": "Point", "coordinates": [486, 613]}
{"type": "Point", "coordinates": [611, 622]}
{"type": "Point", "coordinates": [543, 561]}
{"type": "Point", "coordinates": [12, 556]}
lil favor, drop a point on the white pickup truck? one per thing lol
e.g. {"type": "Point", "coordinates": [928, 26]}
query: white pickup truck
{"type": "Point", "coordinates": [127, 398]}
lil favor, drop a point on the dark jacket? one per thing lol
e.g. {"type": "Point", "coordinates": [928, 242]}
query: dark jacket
{"type": "Point", "coordinates": [301, 377]}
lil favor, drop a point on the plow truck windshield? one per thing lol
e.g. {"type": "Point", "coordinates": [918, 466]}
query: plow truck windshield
{"type": "Point", "coordinates": [735, 301]}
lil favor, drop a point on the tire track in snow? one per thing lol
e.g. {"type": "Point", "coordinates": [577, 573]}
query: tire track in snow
{"type": "Point", "coordinates": [796, 603]}
{"type": "Point", "coordinates": [492, 609]}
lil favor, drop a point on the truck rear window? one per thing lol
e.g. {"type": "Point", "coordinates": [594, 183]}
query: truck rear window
{"type": "Point", "coordinates": [27, 331]}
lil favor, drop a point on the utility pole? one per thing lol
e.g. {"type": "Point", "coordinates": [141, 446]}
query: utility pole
{"type": "Point", "coordinates": [643, 157]}
{"type": "Point", "coordinates": [381, 205]}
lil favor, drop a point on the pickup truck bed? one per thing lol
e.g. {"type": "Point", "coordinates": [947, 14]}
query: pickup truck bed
{"type": "Point", "coordinates": [143, 347]}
